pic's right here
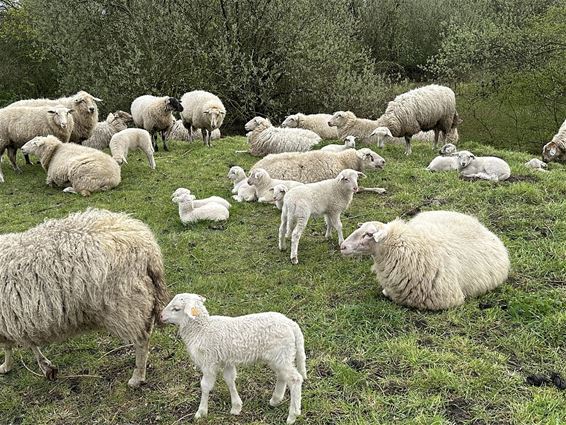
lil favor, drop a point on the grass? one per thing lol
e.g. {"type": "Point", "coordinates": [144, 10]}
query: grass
{"type": "Point", "coordinates": [369, 361]}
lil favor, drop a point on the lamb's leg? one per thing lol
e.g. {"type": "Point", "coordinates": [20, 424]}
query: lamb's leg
{"type": "Point", "coordinates": [69, 189]}
{"type": "Point", "coordinates": [282, 232]}
{"type": "Point", "coordinates": [279, 391]}
{"type": "Point", "coordinates": [12, 157]}
{"type": "Point", "coordinates": [337, 224]}
{"type": "Point", "coordinates": [328, 233]}
{"type": "Point", "coordinates": [295, 381]}
{"type": "Point", "coordinates": [150, 159]}
{"type": "Point", "coordinates": [206, 386]}
{"type": "Point", "coordinates": [142, 350]}
{"type": "Point", "coordinates": [48, 368]}
{"type": "Point", "coordinates": [230, 379]}
{"type": "Point", "coordinates": [301, 223]}
{"type": "Point", "coordinates": [408, 149]}
{"type": "Point", "coordinates": [8, 361]}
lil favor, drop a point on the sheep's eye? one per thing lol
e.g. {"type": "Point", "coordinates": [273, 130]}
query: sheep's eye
{"type": "Point", "coordinates": [368, 235]}
{"type": "Point", "coordinates": [346, 179]}
{"type": "Point", "coordinates": [176, 309]}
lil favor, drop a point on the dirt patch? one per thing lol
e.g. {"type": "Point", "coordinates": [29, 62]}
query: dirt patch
{"type": "Point", "coordinates": [519, 178]}
{"type": "Point", "coordinates": [394, 388]}
{"type": "Point", "coordinates": [458, 410]}
{"type": "Point", "coordinates": [356, 364]}
{"type": "Point", "coordinates": [324, 371]}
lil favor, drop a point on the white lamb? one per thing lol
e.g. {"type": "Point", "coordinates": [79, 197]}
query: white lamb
{"type": "Point", "coordinates": [317, 123]}
{"type": "Point", "coordinates": [328, 198]}
{"type": "Point", "coordinates": [483, 167]}
{"type": "Point", "coordinates": [279, 192]}
{"type": "Point", "coordinates": [132, 138]}
{"type": "Point", "coordinates": [448, 159]}
{"type": "Point", "coordinates": [536, 164]}
{"type": "Point", "coordinates": [220, 343]}
{"type": "Point", "coordinates": [242, 190]}
{"type": "Point", "coordinates": [197, 203]}
{"type": "Point", "coordinates": [262, 182]}
{"type": "Point", "coordinates": [349, 143]}
{"type": "Point", "coordinates": [189, 213]}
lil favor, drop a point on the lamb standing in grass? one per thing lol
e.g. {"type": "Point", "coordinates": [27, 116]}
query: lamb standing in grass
{"type": "Point", "coordinates": [220, 343]}
{"type": "Point", "coordinates": [189, 213]}
{"type": "Point", "coordinates": [317, 123]}
{"type": "Point", "coordinates": [103, 132]}
{"type": "Point", "coordinates": [204, 111]}
{"type": "Point", "coordinates": [555, 150]}
{"type": "Point", "coordinates": [131, 138]}
{"type": "Point", "coordinates": [349, 143]}
{"type": "Point", "coordinates": [329, 198]}
{"type": "Point", "coordinates": [447, 161]}
{"type": "Point", "coordinates": [197, 203]}
{"type": "Point", "coordinates": [483, 167]}
{"type": "Point", "coordinates": [262, 182]}
{"type": "Point", "coordinates": [435, 261]}
{"type": "Point", "coordinates": [242, 190]}
{"type": "Point", "coordinates": [279, 192]}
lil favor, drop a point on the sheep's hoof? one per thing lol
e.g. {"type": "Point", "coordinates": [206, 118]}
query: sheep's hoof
{"type": "Point", "coordinates": [274, 402]}
{"type": "Point", "coordinates": [295, 260]}
{"type": "Point", "coordinates": [200, 414]}
{"type": "Point", "coordinates": [236, 410]}
{"type": "Point", "coordinates": [4, 368]}
{"type": "Point", "coordinates": [135, 382]}
{"type": "Point", "coordinates": [291, 419]}
{"type": "Point", "coordinates": [50, 372]}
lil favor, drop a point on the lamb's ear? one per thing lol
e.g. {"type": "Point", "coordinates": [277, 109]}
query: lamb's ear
{"type": "Point", "coordinates": [192, 311]}
{"type": "Point", "coordinates": [360, 174]}
{"type": "Point", "coordinates": [271, 189]}
{"type": "Point", "coordinates": [96, 99]}
{"type": "Point", "coordinates": [202, 299]}
{"type": "Point", "coordinates": [472, 156]}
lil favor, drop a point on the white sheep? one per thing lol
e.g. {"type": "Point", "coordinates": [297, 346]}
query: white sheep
{"type": "Point", "coordinates": [131, 138]}
{"type": "Point", "coordinates": [483, 167]}
{"type": "Point", "coordinates": [91, 270]}
{"type": "Point", "coordinates": [555, 150]}
{"type": "Point", "coordinates": [177, 131]}
{"type": "Point", "coordinates": [242, 190]}
{"type": "Point", "coordinates": [103, 131]}
{"type": "Point", "coordinates": [197, 203]}
{"type": "Point", "coordinates": [265, 139]}
{"type": "Point", "coordinates": [317, 123]}
{"type": "Point", "coordinates": [220, 343]}
{"type": "Point", "coordinates": [434, 261]}
{"type": "Point", "coordinates": [448, 159]}
{"type": "Point", "coordinates": [189, 213]}
{"type": "Point", "coordinates": [349, 143]}
{"type": "Point", "coordinates": [536, 164]}
{"type": "Point", "coordinates": [77, 168]}
{"type": "Point", "coordinates": [329, 198]}
{"type": "Point", "coordinates": [204, 111]}
{"type": "Point", "coordinates": [262, 182]}
{"type": "Point", "coordinates": [347, 124]}
{"type": "Point", "coordinates": [431, 107]}
{"type": "Point", "coordinates": [423, 136]}
{"type": "Point", "coordinates": [279, 192]}
{"type": "Point", "coordinates": [155, 114]}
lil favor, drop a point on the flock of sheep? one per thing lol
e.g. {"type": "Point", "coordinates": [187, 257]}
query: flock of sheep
{"type": "Point", "coordinates": [100, 269]}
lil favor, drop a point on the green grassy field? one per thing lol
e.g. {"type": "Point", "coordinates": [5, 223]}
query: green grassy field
{"type": "Point", "coordinates": [369, 361]}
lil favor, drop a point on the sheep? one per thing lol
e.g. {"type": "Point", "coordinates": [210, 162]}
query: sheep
{"type": "Point", "coordinates": [329, 198]}
{"type": "Point", "coordinates": [536, 164]}
{"type": "Point", "coordinates": [78, 168]}
{"type": "Point", "coordinates": [265, 139]}
{"type": "Point", "coordinates": [103, 132]}
{"type": "Point", "coordinates": [189, 213]}
{"type": "Point", "coordinates": [317, 123]}
{"type": "Point", "coordinates": [177, 131]}
{"type": "Point", "coordinates": [349, 143]}
{"type": "Point", "coordinates": [555, 150]}
{"type": "Point", "coordinates": [279, 192]}
{"type": "Point", "coordinates": [483, 167]}
{"type": "Point", "coordinates": [85, 112]}
{"type": "Point", "coordinates": [431, 107]}
{"type": "Point", "coordinates": [131, 138]}
{"type": "Point", "coordinates": [204, 111]}
{"type": "Point", "coordinates": [91, 270]}
{"type": "Point", "coordinates": [197, 203]}
{"type": "Point", "coordinates": [218, 343]}
{"type": "Point", "coordinates": [447, 160]}
{"type": "Point", "coordinates": [262, 182]}
{"type": "Point", "coordinates": [242, 190]}
{"type": "Point", "coordinates": [155, 114]}
{"type": "Point", "coordinates": [423, 136]}
{"type": "Point", "coordinates": [435, 261]}
{"type": "Point", "coordinates": [347, 124]}
{"type": "Point", "coordinates": [18, 125]}
{"type": "Point", "coordinates": [314, 166]}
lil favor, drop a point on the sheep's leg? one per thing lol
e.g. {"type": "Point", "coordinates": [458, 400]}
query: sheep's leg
{"type": "Point", "coordinates": [436, 134]}
{"type": "Point", "coordinates": [48, 368]}
{"type": "Point", "coordinates": [69, 189]}
{"type": "Point", "coordinates": [300, 225]}
{"type": "Point", "coordinates": [165, 147]}
{"type": "Point", "coordinates": [154, 141]}
{"type": "Point", "coordinates": [295, 381]}
{"type": "Point", "coordinates": [408, 149]}
{"type": "Point", "coordinates": [328, 233]}
{"type": "Point", "coordinates": [279, 391]}
{"type": "Point", "coordinates": [337, 224]}
{"type": "Point", "coordinates": [12, 157]}
{"type": "Point", "coordinates": [282, 232]}
{"type": "Point", "coordinates": [206, 386]}
{"type": "Point", "coordinates": [142, 350]}
{"type": "Point", "coordinates": [8, 361]}
{"type": "Point", "coordinates": [230, 379]}
{"type": "Point", "coordinates": [26, 157]}
{"type": "Point", "coordinates": [150, 160]}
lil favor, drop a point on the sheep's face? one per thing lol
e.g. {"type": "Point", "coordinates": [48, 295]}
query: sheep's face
{"type": "Point", "coordinates": [340, 118]}
{"type": "Point", "coordinates": [292, 121]}
{"type": "Point", "coordinates": [349, 179]}
{"type": "Point", "coordinates": [173, 104]}
{"type": "Point", "coordinates": [183, 307]}
{"type": "Point", "coordinates": [536, 163]}
{"type": "Point", "coordinates": [183, 198]}
{"type": "Point", "coordinates": [465, 158]}
{"type": "Point", "coordinates": [363, 240]}
{"type": "Point", "coordinates": [236, 173]}
{"type": "Point", "coordinates": [279, 191]}
{"type": "Point", "coordinates": [254, 123]}
{"type": "Point", "coordinates": [370, 159]}
{"type": "Point", "coordinates": [216, 116]}
{"type": "Point", "coordinates": [447, 149]}
{"type": "Point", "coordinates": [382, 133]}
{"type": "Point", "coordinates": [124, 117]}
{"type": "Point", "coordinates": [34, 145]}
{"type": "Point", "coordinates": [61, 116]}
{"type": "Point", "coordinates": [180, 191]}
{"type": "Point", "coordinates": [552, 151]}
{"type": "Point", "coordinates": [256, 176]}
{"type": "Point", "coordinates": [86, 103]}
{"type": "Point", "coordinates": [350, 142]}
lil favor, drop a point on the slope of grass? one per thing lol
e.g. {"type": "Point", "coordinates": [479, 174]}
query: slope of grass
{"type": "Point", "coordinates": [369, 360]}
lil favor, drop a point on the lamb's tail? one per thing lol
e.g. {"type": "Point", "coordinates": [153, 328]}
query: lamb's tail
{"type": "Point", "coordinates": [300, 356]}
{"type": "Point", "coordinates": [161, 294]}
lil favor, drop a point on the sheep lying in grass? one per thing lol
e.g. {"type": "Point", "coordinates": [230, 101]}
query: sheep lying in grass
{"type": "Point", "coordinates": [103, 132]}
{"type": "Point", "coordinates": [329, 198]}
{"type": "Point", "coordinates": [77, 168]}
{"type": "Point", "coordinates": [132, 138]}
{"type": "Point", "coordinates": [483, 167]}
{"type": "Point", "coordinates": [189, 213]}
{"type": "Point", "coordinates": [349, 143]}
{"type": "Point", "coordinates": [555, 150]}
{"type": "Point", "coordinates": [204, 111]}
{"type": "Point", "coordinates": [347, 124]}
{"type": "Point", "coordinates": [279, 192]}
{"type": "Point", "coordinates": [91, 270]}
{"type": "Point", "coordinates": [178, 131]}
{"type": "Point", "coordinates": [197, 203]}
{"type": "Point", "coordinates": [317, 123]}
{"type": "Point", "coordinates": [447, 161]}
{"type": "Point", "coordinates": [435, 261]}
{"type": "Point", "coordinates": [220, 343]}
{"type": "Point", "coordinates": [262, 182]}
{"type": "Point", "coordinates": [242, 190]}
{"type": "Point", "coordinates": [536, 164]}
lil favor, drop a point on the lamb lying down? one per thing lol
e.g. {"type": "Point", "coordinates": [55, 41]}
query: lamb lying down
{"type": "Point", "coordinates": [482, 167]}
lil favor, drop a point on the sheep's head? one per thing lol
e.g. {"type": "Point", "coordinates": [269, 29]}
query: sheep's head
{"type": "Point", "coordinates": [86, 103]}
{"type": "Point", "coordinates": [536, 163]}
{"type": "Point", "coordinates": [553, 151]}
{"type": "Point", "coordinates": [382, 134]}
{"type": "Point", "coordinates": [216, 116]}
{"type": "Point", "coordinates": [173, 104]}
{"type": "Point", "coordinates": [279, 191]}
{"type": "Point", "coordinates": [465, 158]}
{"type": "Point", "coordinates": [236, 173]}
{"type": "Point", "coordinates": [180, 191]}
{"type": "Point", "coordinates": [350, 142]}
{"type": "Point", "coordinates": [340, 118]}
{"type": "Point", "coordinates": [60, 115]}
{"type": "Point", "coordinates": [184, 307]}
{"type": "Point", "coordinates": [370, 159]}
{"type": "Point", "coordinates": [255, 122]}
{"type": "Point", "coordinates": [257, 175]}
{"type": "Point", "coordinates": [183, 198]}
{"type": "Point", "coordinates": [124, 117]}
{"type": "Point", "coordinates": [292, 121]}
{"type": "Point", "coordinates": [35, 146]}
{"type": "Point", "coordinates": [349, 179]}
{"type": "Point", "coordinates": [364, 240]}
{"type": "Point", "coordinates": [448, 149]}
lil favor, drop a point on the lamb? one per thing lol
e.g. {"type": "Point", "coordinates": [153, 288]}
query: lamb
{"type": "Point", "coordinates": [431, 107]}
{"type": "Point", "coordinates": [204, 111]}
{"type": "Point", "coordinates": [154, 114]}
{"type": "Point", "coordinates": [85, 112]}
{"type": "Point", "coordinates": [329, 198]}
{"type": "Point", "coordinates": [131, 138]}
{"type": "Point", "coordinates": [77, 168]}
{"type": "Point", "coordinates": [349, 143]}
{"type": "Point", "coordinates": [177, 131]}
{"type": "Point", "coordinates": [18, 125]}
{"type": "Point", "coordinates": [265, 139]}
{"type": "Point", "coordinates": [262, 182]}
{"type": "Point", "coordinates": [314, 166]}
{"type": "Point", "coordinates": [483, 167]}
{"type": "Point", "coordinates": [555, 150]}
{"type": "Point", "coordinates": [218, 343]}
{"type": "Point", "coordinates": [447, 161]}
{"type": "Point", "coordinates": [91, 270]}
{"type": "Point", "coordinates": [536, 164]}
{"type": "Point", "coordinates": [189, 213]}
{"type": "Point", "coordinates": [197, 203]}
{"type": "Point", "coordinates": [242, 190]}
{"type": "Point", "coordinates": [317, 123]}
{"type": "Point", "coordinates": [279, 192]}
{"type": "Point", "coordinates": [435, 261]}
{"type": "Point", "coordinates": [424, 136]}
{"type": "Point", "coordinates": [103, 132]}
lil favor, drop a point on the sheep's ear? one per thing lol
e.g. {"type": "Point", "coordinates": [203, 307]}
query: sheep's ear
{"type": "Point", "coordinates": [380, 234]}
{"type": "Point", "coordinates": [360, 174]}
{"type": "Point", "coordinates": [70, 111]}
{"type": "Point", "coordinates": [96, 99]}
{"type": "Point", "coordinates": [561, 145]}
{"type": "Point", "coordinates": [202, 299]}
{"type": "Point", "coordinates": [271, 189]}
{"type": "Point", "coordinates": [472, 156]}
{"type": "Point", "coordinates": [192, 311]}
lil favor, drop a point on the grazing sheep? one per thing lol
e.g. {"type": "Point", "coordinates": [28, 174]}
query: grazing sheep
{"type": "Point", "coordinates": [131, 138]}
{"type": "Point", "coordinates": [279, 192]}
{"type": "Point", "coordinates": [317, 123]}
{"type": "Point", "coordinates": [483, 167]}
{"type": "Point", "coordinates": [555, 150]}
{"type": "Point", "coordinates": [262, 182]}
{"type": "Point", "coordinates": [197, 203]}
{"type": "Point", "coordinates": [265, 139]}
{"type": "Point", "coordinates": [536, 164]}
{"type": "Point", "coordinates": [329, 198]}
{"type": "Point", "coordinates": [218, 343]}
{"type": "Point", "coordinates": [314, 166]}
{"type": "Point", "coordinates": [447, 161]}
{"type": "Point", "coordinates": [91, 270]}
{"type": "Point", "coordinates": [77, 168]}
{"type": "Point", "coordinates": [349, 143]}
{"type": "Point", "coordinates": [430, 107]}
{"type": "Point", "coordinates": [155, 114]}
{"type": "Point", "coordinates": [189, 213]}
{"type": "Point", "coordinates": [85, 112]}
{"type": "Point", "coordinates": [178, 132]}
{"type": "Point", "coordinates": [204, 111]}
{"type": "Point", "coordinates": [242, 190]}
{"type": "Point", "coordinates": [18, 125]}
{"type": "Point", "coordinates": [434, 261]}
{"type": "Point", "coordinates": [103, 132]}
